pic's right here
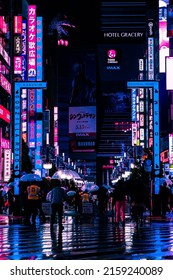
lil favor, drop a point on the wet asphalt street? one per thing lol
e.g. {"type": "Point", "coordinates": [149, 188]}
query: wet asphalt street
{"type": "Point", "coordinates": [87, 238]}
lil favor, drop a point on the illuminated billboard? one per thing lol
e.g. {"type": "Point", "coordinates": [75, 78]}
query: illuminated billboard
{"type": "Point", "coordinates": [169, 67]}
{"type": "Point", "coordinates": [82, 121]}
{"type": "Point", "coordinates": [171, 148]}
{"type": "Point", "coordinates": [17, 64]}
{"type": "Point", "coordinates": [32, 44]}
{"type": "Point", "coordinates": [170, 20]}
{"type": "Point", "coordinates": [39, 94]}
{"type": "Point", "coordinates": [4, 114]}
{"type": "Point", "coordinates": [17, 24]}
{"type": "Point", "coordinates": [163, 38]}
{"type": "Point", "coordinates": [17, 122]}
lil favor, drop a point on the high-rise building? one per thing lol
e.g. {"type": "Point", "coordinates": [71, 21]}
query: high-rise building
{"type": "Point", "coordinates": [5, 93]}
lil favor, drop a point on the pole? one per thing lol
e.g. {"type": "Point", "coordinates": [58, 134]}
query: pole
{"type": "Point", "coordinates": [151, 194]}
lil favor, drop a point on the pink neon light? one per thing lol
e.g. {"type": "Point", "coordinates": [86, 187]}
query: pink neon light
{"type": "Point", "coordinates": [4, 114]}
{"type": "Point", "coordinates": [32, 46]}
{"type": "Point", "coordinates": [5, 84]}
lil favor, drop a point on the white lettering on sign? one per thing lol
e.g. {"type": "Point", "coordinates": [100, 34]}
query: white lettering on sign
{"type": "Point", "coordinates": [124, 35]}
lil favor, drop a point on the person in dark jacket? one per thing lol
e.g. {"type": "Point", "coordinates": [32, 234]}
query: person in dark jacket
{"type": "Point", "coordinates": [57, 198]}
{"type": "Point", "coordinates": [164, 198]}
{"type": "Point", "coordinates": [139, 195]}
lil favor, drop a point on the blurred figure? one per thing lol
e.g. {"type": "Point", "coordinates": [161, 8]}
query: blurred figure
{"type": "Point", "coordinates": [33, 192]}
{"type": "Point", "coordinates": [57, 198]}
{"type": "Point", "coordinates": [78, 202]}
{"type": "Point", "coordinates": [85, 196]}
{"type": "Point", "coordinates": [8, 200]}
{"type": "Point", "coordinates": [119, 199]}
{"type": "Point", "coordinates": [1, 202]}
{"type": "Point", "coordinates": [83, 88]}
{"type": "Point", "coordinates": [102, 196]}
{"type": "Point", "coordinates": [139, 197]}
{"type": "Point", "coordinates": [164, 198]}
{"type": "Point", "coordinates": [40, 209]}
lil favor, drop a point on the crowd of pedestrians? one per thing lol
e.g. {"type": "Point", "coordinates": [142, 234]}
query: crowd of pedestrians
{"type": "Point", "coordinates": [133, 193]}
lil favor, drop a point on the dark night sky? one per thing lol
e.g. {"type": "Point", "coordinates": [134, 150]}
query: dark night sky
{"type": "Point", "coordinates": [82, 13]}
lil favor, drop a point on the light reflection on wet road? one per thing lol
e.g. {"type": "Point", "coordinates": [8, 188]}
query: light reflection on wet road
{"type": "Point", "coordinates": [88, 238]}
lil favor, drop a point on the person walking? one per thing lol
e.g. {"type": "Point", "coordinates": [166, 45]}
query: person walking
{"type": "Point", "coordinates": [57, 197]}
{"type": "Point", "coordinates": [139, 196]}
{"type": "Point", "coordinates": [164, 198]}
{"type": "Point", "coordinates": [119, 199]}
{"type": "Point", "coordinates": [33, 192]}
{"type": "Point", "coordinates": [40, 209]}
{"type": "Point", "coordinates": [78, 202]}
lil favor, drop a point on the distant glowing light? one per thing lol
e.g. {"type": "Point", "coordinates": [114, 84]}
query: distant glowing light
{"type": "Point", "coordinates": [62, 42]}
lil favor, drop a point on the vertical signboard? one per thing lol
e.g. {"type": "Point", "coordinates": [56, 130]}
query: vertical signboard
{"type": "Point", "coordinates": [17, 65]}
{"type": "Point", "coordinates": [18, 86]}
{"type": "Point", "coordinates": [150, 49]}
{"type": "Point", "coordinates": [163, 38]}
{"type": "Point", "coordinates": [56, 128]}
{"type": "Point", "coordinates": [0, 153]}
{"type": "Point", "coordinates": [24, 78]}
{"type": "Point", "coordinates": [17, 24]}
{"type": "Point", "coordinates": [171, 148]}
{"type": "Point", "coordinates": [32, 46]}
{"type": "Point", "coordinates": [156, 126]}
{"type": "Point", "coordinates": [39, 94]}
{"type": "Point", "coordinates": [169, 67]}
{"type": "Point", "coordinates": [7, 165]}
{"type": "Point", "coordinates": [32, 56]}
{"type": "Point", "coordinates": [133, 98]}
{"type": "Point", "coordinates": [170, 20]}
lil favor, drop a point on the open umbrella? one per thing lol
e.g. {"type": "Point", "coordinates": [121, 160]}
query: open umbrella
{"type": "Point", "coordinates": [90, 187]}
{"type": "Point", "coordinates": [66, 174]}
{"type": "Point", "coordinates": [71, 193]}
{"type": "Point", "coordinates": [30, 177]}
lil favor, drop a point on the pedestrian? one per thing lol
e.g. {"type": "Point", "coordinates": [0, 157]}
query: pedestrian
{"type": "Point", "coordinates": [102, 200]}
{"type": "Point", "coordinates": [33, 198]}
{"type": "Point", "coordinates": [40, 209]}
{"type": "Point", "coordinates": [78, 202]}
{"type": "Point", "coordinates": [57, 197]}
{"type": "Point", "coordinates": [85, 196]}
{"type": "Point", "coordinates": [1, 202]}
{"type": "Point", "coordinates": [164, 198]}
{"type": "Point", "coordinates": [11, 200]}
{"type": "Point", "coordinates": [119, 200]}
{"type": "Point", "coordinates": [139, 196]}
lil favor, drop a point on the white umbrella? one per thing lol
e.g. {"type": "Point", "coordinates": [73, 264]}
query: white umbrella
{"type": "Point", "coordinates": [30, 177]}
{"type": "Point", "coordinates": [90, 187]}
{"type": "Point", "coordinates": [94, 188]}
{"type": "Point", "coordinates": [66, 174]}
